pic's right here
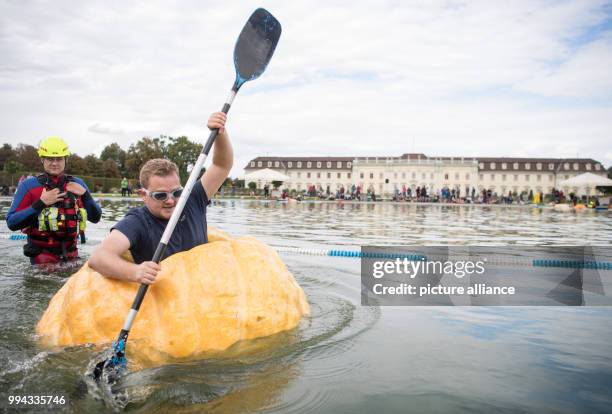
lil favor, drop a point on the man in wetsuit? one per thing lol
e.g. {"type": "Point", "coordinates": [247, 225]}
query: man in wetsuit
{"type": "Point", "coordinates": [52, 208]}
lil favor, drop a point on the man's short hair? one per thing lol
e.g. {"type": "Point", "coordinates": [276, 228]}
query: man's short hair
{"type": "Point", "coordinates": [159, 167]}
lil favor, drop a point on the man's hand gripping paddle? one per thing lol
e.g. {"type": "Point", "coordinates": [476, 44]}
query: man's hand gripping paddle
{"type": "Point", "coordinates": [252, 54]}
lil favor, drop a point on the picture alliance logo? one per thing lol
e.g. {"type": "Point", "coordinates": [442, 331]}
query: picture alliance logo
{"type": "Point", "coordinates": [412, 268]}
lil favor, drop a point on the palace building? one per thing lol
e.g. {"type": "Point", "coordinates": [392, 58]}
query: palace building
{"type": "Point", "coordinates": [386, 175]}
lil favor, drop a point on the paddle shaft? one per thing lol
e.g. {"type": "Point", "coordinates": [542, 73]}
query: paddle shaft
{"type": "Point", "coordinates": [178, 210]}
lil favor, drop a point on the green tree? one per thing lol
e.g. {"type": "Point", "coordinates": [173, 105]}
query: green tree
{"type": "Point", "coordinates": [12, 167]}
{"type": "Point", "coordinates": [110, 169]}
{"type": "Point", "coordinates": [6, 154]}
{"type": "Point", "coordinates": [252, 185]}
{"type": "Point", "coordinates": [183, 153]}
{"type": "Point", "coordinates": [28, 156]}
{"type": "Point", "coordinates": [76, 165]}
{"type": "Point", "coordinates": [94, 165]}
{"type": "Point", "coordinates": [116, 153]}
{"type": "Point", "coordinates": [141, 152]}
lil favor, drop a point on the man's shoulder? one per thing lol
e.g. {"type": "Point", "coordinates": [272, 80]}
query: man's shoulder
{"type": "Point", "coordinates": [30, 182]}
{"type": "Point", "coordinates": [78, 180]}
{"type": "Point", "coordinates": [135, 213]}
{"type": "Point", "coordinates": [134, 224]}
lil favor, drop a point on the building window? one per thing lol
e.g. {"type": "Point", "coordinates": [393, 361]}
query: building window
{"type": "Point", "coordinates": [526, 177]}
{"type": "Point", "coordinates": [481, 165]}
{"type": "Point", "coordinates": [503, 177]}
{"type": "Point", "coordinates": [550, 178]}
{"type": "Point", "coordinates": [339, 164]}
{"type": "Point", "coordinates": [480, 176]}
{"type": "Point", "coordinates": [539, 177]}
{"type": "Point", "coordinates": [431, 176]}
{"type": "Point", "coordinates": [339, 175]}
{"type": "Point", "coordinates": [515, 166]}
{"type": "Point", "coordinates": [551, 166]}
{"type": "Point", "coordinates": [504, 165]}
{"type": "Point", "coordinates": [318, 175]}
{"type": "Point", "coordinates": [515, 177]}
{"type": "Point", "coordinates": [309, 164]}
{"type": "Point", "coordinates": [446, 176]}
{"type": "Point", "coordinates": [576, 166]}
{"type": "Point", "coordinates": [467, 176]}
{"type": "Point", "coordinates": [492, 165]}
{"type": "Point", "coordinates": [404, 175]}
{"type": "Point", "coordinates": [566, 166]}
{"type": "Point", "coordinates": [348, 164]}
{"type": "Point", "coordinates": [259, 163]}
{"type": "Point", "coordinates": [252, 163]}
{"type": "Point", "coordinates": [413, 175]}
{"type": "Point", "coordinates": [380, 175]}
{"type": "Point", "coordinates": [371, 176]}
{"type": "Point", "coordinates": [492, 177]}
{"type": "Point", "coordinates": [423, 176]}
{"type": "Point", "coordinates": [299, 175]}
{"type": "Point", "coordinates": [361, 175]}
{"type": "Point", "coordinates": [276, 164]}
{"type": "Point", "coordinates": [307, 175]}
{"type": "Point", "coordinates": [348, 175]}
{"type": "Point", "coordinates": [527, 166]}
{"type": "Point", "coordinates": [328, 175]}
{"type": "Point", "coordinates": [597, 167]}
{"type": "Point", "coordinates": [318, 164]}
{"type": "Point", "coordinates": [456, 176]}
{"type": "Point", "coordinates": [290, 164]}
{"type": "Point", "coordinates": [269, 163]}
{"type": "Point", "coordinates": [539, 166]}
{"type": "Point", "coordinates": [588, 166]}
{"type": "Point", "coordinates": [328, 164]}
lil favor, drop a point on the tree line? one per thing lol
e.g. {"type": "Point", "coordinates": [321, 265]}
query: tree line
{"type": "Point", "coordinates": [113, 162]}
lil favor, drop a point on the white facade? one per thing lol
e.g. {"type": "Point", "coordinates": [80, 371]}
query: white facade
{"type": "Point", "coordinates": [386, 175]}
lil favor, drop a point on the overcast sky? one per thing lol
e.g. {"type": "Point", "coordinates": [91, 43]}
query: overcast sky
{"type": "Point", "coordinates": [446, 78]}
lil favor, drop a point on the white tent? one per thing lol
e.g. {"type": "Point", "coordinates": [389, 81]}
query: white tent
{"type": "Point", "coordinates": [584, 184]}
{"type": "Point", "coordinates": [587, 179]}
{"type": "Point", "coordinates": [265, 176]}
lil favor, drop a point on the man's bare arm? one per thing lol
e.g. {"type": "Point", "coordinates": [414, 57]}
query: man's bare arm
{"type": "Point", "coordinates": [107, 260]}
{"type": "Point", "coordinates": [223, 156]}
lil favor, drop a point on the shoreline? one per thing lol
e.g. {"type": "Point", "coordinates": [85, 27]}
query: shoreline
{"type": "Point", "coordinates": [108, 197]}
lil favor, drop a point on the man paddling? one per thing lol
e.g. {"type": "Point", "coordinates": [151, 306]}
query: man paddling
{"type": "Point", "coordinates": [141, 229]}
{"type": "Point", "coordinates": [52, 208]}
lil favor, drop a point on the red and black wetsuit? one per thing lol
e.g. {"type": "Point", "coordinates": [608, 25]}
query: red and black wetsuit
{"type": "Point", "coordinates": [50, 246]}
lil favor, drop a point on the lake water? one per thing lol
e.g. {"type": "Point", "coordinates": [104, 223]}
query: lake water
{"type": "Point", "coordinates": [347, 358]}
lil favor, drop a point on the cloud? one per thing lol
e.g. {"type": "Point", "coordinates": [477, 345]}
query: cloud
{"type": "Point", "coordinates": [453, 78]}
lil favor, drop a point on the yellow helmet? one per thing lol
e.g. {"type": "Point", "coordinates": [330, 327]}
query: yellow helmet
{"type": "Point", "coordinates": [53, 147]}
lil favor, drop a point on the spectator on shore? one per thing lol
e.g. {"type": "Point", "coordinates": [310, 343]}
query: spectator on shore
{"type": "Point", "coordinates": [124, 187]}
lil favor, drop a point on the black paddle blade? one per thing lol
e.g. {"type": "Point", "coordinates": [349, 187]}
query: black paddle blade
{"type": "Point", "coordinates": [255, 46]}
